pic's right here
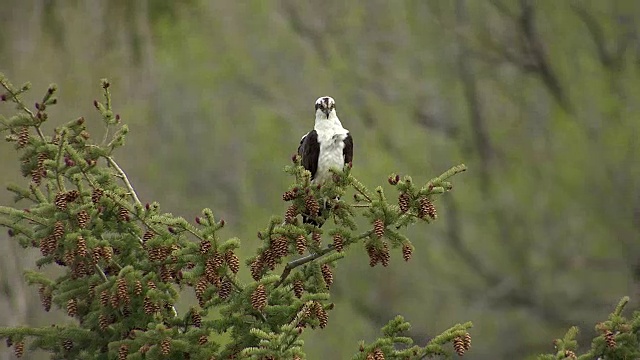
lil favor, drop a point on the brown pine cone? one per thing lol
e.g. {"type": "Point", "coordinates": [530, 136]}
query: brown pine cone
{"type": "Point", "coordinates": [149, 306]}
{"type": "Point", "coordinates": [313, 208]}
{"type": "Point", "coordinates": [327, 275]}
{"type": "Point", "coordinates": [338, 242]}
{"type": "Point", "coordinates": [60, 201]}
{"type": "Point", "coordinates": [46, 301]}
{"type": "Point", "coordinates": [104, 298]}
{"type": "Point", "coordinates": [378, 227]}
{"type": "Point", "coordinates": [81, 247]}
{"type": "Point", "coordinates": [137, 288]}
{"type": "Point", "coordinates": [280, 246]}
{"type": "Point", "coordinates": [96, 195]}
{"type": "Point", "coordinates": [67, 344]}
{"type": "Point", "coordinates": [407, 251]}
{"type": "Point", "coordinates": [196, 318]}
{"type": "Point", "coordinates": [123, 352]}
{"type": "Point", "coordinates": [298, 288]}
{"type": "Point", "coordinates": [467, 341]}
{"type": "Point", "coordinates": [205, 246]}
{"type": "Point", "coordinates": [321, 314]}
{"type": "Point", "coordinates": [610, 339]}
{"type": "Point", "coordinates": [427, 209]}
{"type": "Point", "coordinates": [144, 349]}
{"type": "Point", "coordinates": [384, 254]}
{"type": "Point", "coordinates": [568, 354]}
{"type": "Point", "coordinates": [458, 345]}
{"type": "Point", "coordinates": [83, 218]}
{"type": "Point", "coordinates": [23, 136]}
{"type": "Point", "coordinates": [289, 195]}
{"type": "Point", "coordinates": [259, 298]}
{"type": "Point", "coordinates": [225, 288]}
{"type": "Point", "coordinates": [37, 175]}
{"type": "Point", "coordinates": [203, 339]}
{"type": "Point", "coordinates": [72, 195]}
{"type": "Point", "coordinates": [256, 268]}
{"type": "Point", "coordinates": [72, 307]}
{"type": "Point", "coordinates": [18, 349]}
{"type": "Point", "coordinates": [403, 202]}
{"type": "Point", "coordinates": [290, 214]}
{"type": "Point", "coordinates": [103, 321]}
{"type": "Point", "coordinates": [374, 258]}
{"type": "Point", "coordinates": [301, 244]}
{"type": "Point", "coordinates": [122, 291]}
{"type": "Point", "coordinates": [378, 354]}
{"type": "Point", "coordinates": [123, 214]}
{"type": "Point", "coordinates": [107, 253]}
{"type": "Point", "coordinates": [210, 271]}
{"type": "Point", "coordinates": [58, 230]}
{"type": "Point", "coordinates": [316, 237]}
{"type": "Point", "coordinates": [232, 261]}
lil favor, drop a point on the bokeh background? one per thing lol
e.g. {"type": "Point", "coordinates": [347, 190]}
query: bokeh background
{"type": "Point", "coordinates": [539, 98]}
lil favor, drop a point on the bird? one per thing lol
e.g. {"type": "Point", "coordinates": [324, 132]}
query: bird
{"type": "Point", "coordinates": [328, 145]}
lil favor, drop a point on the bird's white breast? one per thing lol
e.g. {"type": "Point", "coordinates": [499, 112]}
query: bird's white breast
{"type": "Point", "coordinates": [331, 140]}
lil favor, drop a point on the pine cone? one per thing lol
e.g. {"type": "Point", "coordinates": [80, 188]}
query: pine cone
{"type": "Point", "coordinates": [211, 272]}
{"type": "Point", "coordinates": [256, 268]}
{"type": "Point", "coordinates": [23, 136]}
{"type": "Point", "coordinates": [123, 214]}
{"type": "Point", "coordinates": [338, 242]}
{"type": "Point", "coordinates": [378, 228]}
{"type": "Point", "coordinates": [123, 352]}
{"type": "Point", "coordinates": [269, 259]}
{"type": "Point", "coordinates": [107, 253]}
{"type": "Point", "coordinates": [568, 354]}
{"type": "Point", "coordinates": [403, 202]}
{"type": "Point", "coordinates": [144, 349]}
{"type": "Point", "coordinates": [104, 298]}
{"type": "Point", "coordinates": [149, 307]}
{"type": "Point", "coordinates": [610, 339]}
{"type": "Point", "coordinates": [72, 307]}
{"type": "Point", "coordinates": [165, 346]}
{"type": "Point", "coordinates": [467, 341]}
{"type": "Point", "coordinates": [327, 275]}
{"type": "Point", "coordinates": [83, 218]}
{"type": "Point", "coordinates": [37, 174]}
{"type": "Point", "coordinates": [290, 214]}
{"type": "Point", "coordinates": [316, 237]}
{"type": "Point", "coordinates": [458, 345]}
{"type": "Point", "coordinates": [166, 274]}
{"type": "Point", "coordinates": [205, 246]}
{"type": "Point", "coordinates": [122, 291]}
{"type": "Point", "coordinates": [384, 254]}
{"type": "Point", "coordinates": [196, 318]}
{"type": "Point", "coordinates": [114, 300]}
{"type": "Point", "coordinates": [81, 247]}
{"type": "Point", "coordinates": [203, 339]}
{"type": "Point", "coordinates": [373, 255]}
{"type": "Point", "coordinates": [427, 209]}
{"type": "Point", "coordinates": [103, 322]}
{"type": "Point", "coordinates": [378, 354]}
{"type": "Point", "coordinates": [218, 260]}
{"type": "Point", "coordinates": [298, 288]}
{"type": "Point", "coordinates": [313, 208]}
{"type": "Point", "coordinates": [259, 298]}
{"type": "Point", "coordinates": [72, 195]}
{"type": "Point", "coordinates": [148, 235]}
{"type": "Point", "coordinates": [232, 261]}
{"type": "Point", "coordinates": [407, 251]}
{"type": "Point", "coordinates": [289, 195]}
{"type": "Point", "coordinates": [301, 244]}
{"type": "Point", "coordinates": [18, 349]}
{"type": "Point", "coordinates": [60, 201]}
{"type": "Point", "coordinates": [280, 246]}
{"type": "Point", "coordinates": [321, 314]}
{"type": "Point", "coordinates": [58, 230]}
{"type": "Point", "coordinates": [225, 288]}
{"type": "Point", "coordinates": [69, 257]}
{"type": "Point", "coordinates": [46, 301]}
{"type": "Point", "coordinates": [370, 356]}
{"type": "Point", "coordinates": [67, 344]}
{"type": "Point", "coordinates": [96, 195]}
{"type": "Point", "coordinates": [137, 288]}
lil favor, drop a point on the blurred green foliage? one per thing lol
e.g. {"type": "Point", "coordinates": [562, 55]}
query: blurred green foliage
{"type": "Point", "coordinates": [538, 98]}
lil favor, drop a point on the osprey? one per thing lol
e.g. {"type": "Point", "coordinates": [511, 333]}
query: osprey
{"type": "Point", "coordinates": [327, 146]}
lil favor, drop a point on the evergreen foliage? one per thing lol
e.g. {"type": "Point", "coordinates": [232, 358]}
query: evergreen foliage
{"type": "Point", "coordinates": [124, 264]}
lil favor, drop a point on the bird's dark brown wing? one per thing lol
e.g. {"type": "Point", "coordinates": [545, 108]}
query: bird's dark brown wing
{"type": "Point", "coordinates": [348, 149]}
{"type": "Point", "coordinates": [309, 149]}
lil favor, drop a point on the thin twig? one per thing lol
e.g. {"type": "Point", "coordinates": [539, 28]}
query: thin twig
{"type": "Point", "coordinates": [24, 108]}
{"type": "Point", "coordinates": [124, 179]}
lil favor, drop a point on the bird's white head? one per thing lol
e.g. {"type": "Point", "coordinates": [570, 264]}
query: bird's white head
{"type": "Point", "coordinates": [325, 108]}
